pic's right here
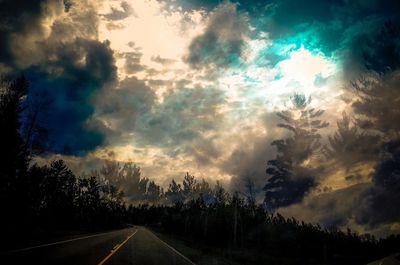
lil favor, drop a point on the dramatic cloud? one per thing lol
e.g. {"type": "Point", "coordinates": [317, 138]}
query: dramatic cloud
{"type": "Point", "coordinates": [188, 85]}
{"type": "Point", "coordinates": [18, 18]}
{"type": "Point", "coordinates": [377, 106]}
{"type": "Point", "coordinates": [184, 115]}
{"type": "Point", "coordinates": [379, 202]}
{"type": "Point", "coordinates": [222, 42]}
{"type": "Point", "coordinates": [64, 62]}
{"type": "Point", "coordinates": [348, 147]}
{"type": "Point", "coordinates": [132, 62]}
{"type": "Point", "coordinates": [119, 106]}
{"type": "Point", "coordinates": [79, 69]}
{"type": "Point", "coordinates": [331, 209]}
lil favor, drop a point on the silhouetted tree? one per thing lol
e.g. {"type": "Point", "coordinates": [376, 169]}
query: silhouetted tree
{"type": "Point", "coordinates": [174, 193]}
{"type": "Point", "coordinates": [189, 185]}
{"type": "Point", "coordinates": [250, 192]}
{"type": "Point", "coordinates": [203, 190]}
{"type": "Point", "coordinates": [153, 193]}
{"type": "Point", "coordinates": [221, 196]}
{"type": "Point", "coordinates": [34, 131]}
{"type": "Point", "coordinates": [142, 187]}
{"type": "Point", "coordinates": [289, 174]}
{"type": "Point", "coordinates": [127, 178]}
{"type": "Point", "coordinates": [59, 190]}
{"type": "Point", "coordinates": [13, 156]}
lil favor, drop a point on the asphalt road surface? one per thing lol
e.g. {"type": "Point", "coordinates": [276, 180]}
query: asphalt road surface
{"type": "Point", "coordinates": [135, 245]}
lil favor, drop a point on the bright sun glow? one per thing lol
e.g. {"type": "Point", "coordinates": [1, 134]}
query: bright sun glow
{"type": "Point", "coordinates": [304, 68]}
{"type": "Point", "coordinates": [257, 87]}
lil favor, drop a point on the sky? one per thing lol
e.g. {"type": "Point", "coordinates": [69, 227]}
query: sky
{"type": "Point", "coordinates": [180, 86]}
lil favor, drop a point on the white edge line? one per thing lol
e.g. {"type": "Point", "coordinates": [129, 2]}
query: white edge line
{"type": "Point", "coordinates": [55, 243]}
{"type": "Point", "coordinates": [173, 249]}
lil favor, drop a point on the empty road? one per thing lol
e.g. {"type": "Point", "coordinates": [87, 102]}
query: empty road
{"type": "Point", "coordinates": [135, 245]}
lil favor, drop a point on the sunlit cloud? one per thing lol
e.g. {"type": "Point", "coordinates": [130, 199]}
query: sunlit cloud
{"type": "Point", "coordinates": [156, 29]}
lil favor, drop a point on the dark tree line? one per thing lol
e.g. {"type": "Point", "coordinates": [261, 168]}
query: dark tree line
{"type": "Point", "coordinates": [248, 234]}
{"type": "Point", "coordinates": [38, 200]}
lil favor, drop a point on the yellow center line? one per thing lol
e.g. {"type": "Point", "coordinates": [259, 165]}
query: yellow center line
{"type": "Point", "coordinates": [115, 246]}
{"type": "Point", "coordinates": [115, 249]}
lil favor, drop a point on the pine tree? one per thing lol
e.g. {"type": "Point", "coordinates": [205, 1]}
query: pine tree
{"type": "Point", "coordinates": [289, 173]}
{"type": "Point", "coordinates": [13, 156]}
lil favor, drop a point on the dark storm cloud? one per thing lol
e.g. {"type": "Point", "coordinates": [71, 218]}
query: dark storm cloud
{"type": "Point", "coordinates": [373, 46]}
{"type": "Point", "coordinates": [77, 71]}
{"type": "Point", "coordinates": [381, 52]}
{"type": "Point", "coordinates": [331, 209]}
{"type": "Point", "coordinates": [223, 40]}
{"type": "Point", "coordinates": [380, 202]}
{"type": "Point", "coordinates": [63, 61]}
{"type": "Point", "coordinates": [283, 18]}
{"type": "Point", "coordinates": [330, 19]}
{"type": "Point", "coordinates": [370, 40]}
{"type": "Point", "coordinates": [183, 116]}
